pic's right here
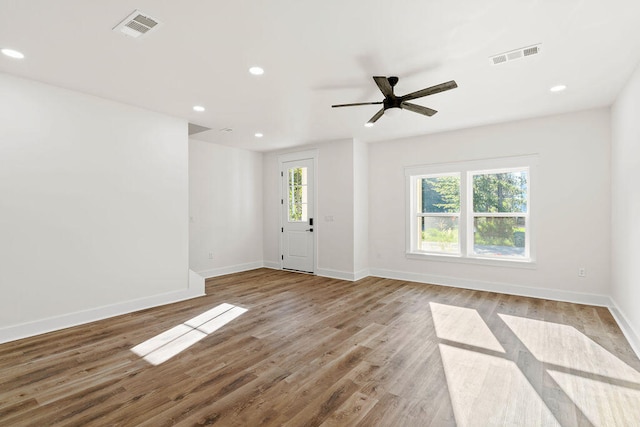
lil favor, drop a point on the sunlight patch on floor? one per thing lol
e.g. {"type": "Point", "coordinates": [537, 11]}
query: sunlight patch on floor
{"type": "Point", "coordinates": [489, 386]}
{"type": "Point", "coordinates": [565, 346]}
{"type": "Point", "coordinates": [601, 385]}
{"type": "Point", "coordinates": [487, 390]}
{"type": "Point", "coordinates": [168, 344]}
{"type": "Point", "coordinates": [464, 326]}
{"type": "Point", "coordinates": [602, 403]}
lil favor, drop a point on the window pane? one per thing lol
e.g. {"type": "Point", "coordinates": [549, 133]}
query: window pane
{"type": "Point", "coordinates": [297, 197]}
{"type": "Point", "coordinates": [439, 194]}
{"type": "Point", "coordinates": [438, 234]}
{"type": "Point", "coordinates": [500, 192]}
{"type": "Point", "coordinates": [297, 176]}
{"type": "Point", "coordinates": [499, 236]}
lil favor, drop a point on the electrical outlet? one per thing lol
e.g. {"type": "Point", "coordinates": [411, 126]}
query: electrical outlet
{"type": "Point", "coordinates": [582, 272]}
{"type": "Point", "coordinates": [210, 255]}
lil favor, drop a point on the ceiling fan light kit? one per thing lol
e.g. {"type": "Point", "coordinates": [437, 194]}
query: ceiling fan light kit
{"type": "Point", "coordinates": [393, 111]}
{"type": "Point", "coordinates": [392, 105]}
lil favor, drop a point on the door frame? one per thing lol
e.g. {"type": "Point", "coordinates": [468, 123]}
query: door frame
{"type": "Point", "coordinates": [291, 157]}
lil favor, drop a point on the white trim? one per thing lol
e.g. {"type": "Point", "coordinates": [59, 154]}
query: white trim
{"type": "Point", "coordinates": [238, 268]}
{"type": "Point", "coordinates": [503, 288]}
{"type": "Point", "coordinates": [466, 170]}
{"type": "Point", "coordinates": [274, 265]}
{"type": "Point", "coordinates": [477, 260]}
{"type": "Point", "coordinates": [362, 274]}
{"type": "Point", "coordinates": [196, 289]}
{"type": "Point", "coordinates": [298, 155]}
{"type": "Point", "coordinates": [290, 157]}
{"type": "Point", "coordinates": [196, 282]}
{"type": "Point", "coordinates": [471, 165]}
{"type": "Point", "coordinates": [29, 329]}
{"type": "Point", "coordinates": [630, 334]}
{"type": "Point", "coordinates": [336, 274]}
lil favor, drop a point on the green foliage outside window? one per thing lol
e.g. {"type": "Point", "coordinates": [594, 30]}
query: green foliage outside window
{"type": "Point", "coordinates": [441, 194]}
{"type": "Point", "coordinates": [296, 186]}
{"type": "Point", "coordinates": [492, 193]}
{"type": "Point", "coordinates": [500, 192]}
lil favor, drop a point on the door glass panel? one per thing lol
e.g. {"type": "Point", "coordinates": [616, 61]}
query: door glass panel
{"type": "Point", "coordinates": [297, 197]}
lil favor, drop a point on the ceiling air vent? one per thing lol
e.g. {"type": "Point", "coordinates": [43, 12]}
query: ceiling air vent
{"type": "Point", "coordinates": [137, 24]}
{"type": "Point", "coordinates": [515, 54]}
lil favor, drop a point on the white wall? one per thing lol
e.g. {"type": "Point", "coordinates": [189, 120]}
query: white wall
{"type": "Point", "coordinates": [225, 209]}
{"type": "Point", "coordinates": [625, 167]}
{"type": "Point", "coordinates": [335, 199]}
{"type": "Point", "coordinates": [335, 186]}
{"type": "Point", "coordinates": [360, 209]}
{"type": "Point", "coordinates": [93, 206]}
{"type": "Point", "coordinates": [571, 204]}
{"type": "Point", "coordinates": [271, 210]}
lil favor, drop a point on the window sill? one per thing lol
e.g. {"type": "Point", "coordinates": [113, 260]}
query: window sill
{"type": "Point", "coordinates": [529, 264]}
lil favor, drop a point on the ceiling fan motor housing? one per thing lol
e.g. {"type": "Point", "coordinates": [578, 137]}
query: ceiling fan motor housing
{"type": "Point", "coordinates": [391, 103]}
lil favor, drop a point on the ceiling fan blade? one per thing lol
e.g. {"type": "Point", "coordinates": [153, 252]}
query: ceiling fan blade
{"type": "Point", "coordinates": [376, 116]}
{"type": "Point", "coordinates": [430, 90]}
{"type": "Point", "coordinates": [357, 103]}
{"type": "Point", "coordinates": [384, 85]}
{"type": "Point", "coordinates": [418, 109]}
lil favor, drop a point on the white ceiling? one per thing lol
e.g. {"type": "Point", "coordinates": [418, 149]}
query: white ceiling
{"type": "Point", "coordinates": [320, 53]}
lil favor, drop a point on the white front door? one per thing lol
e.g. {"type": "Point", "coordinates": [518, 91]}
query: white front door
{"type": "Point", "coordinates": [298, 237]}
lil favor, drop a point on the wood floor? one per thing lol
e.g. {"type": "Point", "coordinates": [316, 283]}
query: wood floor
{"type": "Point", "coordinates": [313, 351]}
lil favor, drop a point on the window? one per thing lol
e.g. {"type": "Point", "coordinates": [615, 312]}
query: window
{"type": "Point", "coordinates": [297, 197]}
{"type": "Point", "coordinates": [499, 214]}
{"type": "Point", "coordinates": [472, 210]}
{"type": "Point", "coordinates": [438, 216]}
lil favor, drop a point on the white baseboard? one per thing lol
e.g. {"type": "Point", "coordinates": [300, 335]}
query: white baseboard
{"type": "Point", "coordinates": [335, 274]}
{"type": "Point", "coordinates": [64, 321]}
{"type": "Point", "coordinates": [504, 288]}
{"type": "Point", "coordinates": [274, 265]}
{"type": "Point", "coordinates": [361, 274]}
{"type": "Point", "coordinates": [231, 269]}
{"type": "Point", "coordinates": [196, 289]}
{"type": "Point", "coordinates": [629, 332]}
{"type": "Point", "coordinates": [196, 282]}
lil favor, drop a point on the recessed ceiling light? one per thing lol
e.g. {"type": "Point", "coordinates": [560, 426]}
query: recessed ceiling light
{"type": "Point", "coordinates": [258, 135]}
{"type": "Point", "coordinates": [198, 108]}
{"type": "Point", "coordinates": [558, 88]}
{"type": "Point", "coordinates": [12, 53]}
{"type": "Point", "coordinates": [368, 125]}
{"type": "Point", "coordinates": [256, 71]}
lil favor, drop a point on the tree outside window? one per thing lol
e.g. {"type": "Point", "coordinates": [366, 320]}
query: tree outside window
{"type": "Point", "coordinates": [470, 212]}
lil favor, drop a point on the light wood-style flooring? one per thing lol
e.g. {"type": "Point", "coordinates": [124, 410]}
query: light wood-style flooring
{"type": "Point", "coordinates": [311, 351]}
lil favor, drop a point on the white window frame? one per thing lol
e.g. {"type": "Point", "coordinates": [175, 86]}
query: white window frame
{"type": "Point", "coordinates": [418, 214]}
{"type": "Point", "coordinates": [466, 171]}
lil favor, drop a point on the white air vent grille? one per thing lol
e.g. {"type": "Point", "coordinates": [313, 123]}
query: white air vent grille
{"type": "Point", "coordinates": [515, 54]}
{"type": "Point", "coordinates": [531, 50]}
{"type": "Point", "coordinates": [499, 59]}
{"type": "Point", "coordinates": [137, 24]}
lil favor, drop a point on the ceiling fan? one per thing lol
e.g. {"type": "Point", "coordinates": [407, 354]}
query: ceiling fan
{"type": "Point", "coordinates": [392, 104]}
